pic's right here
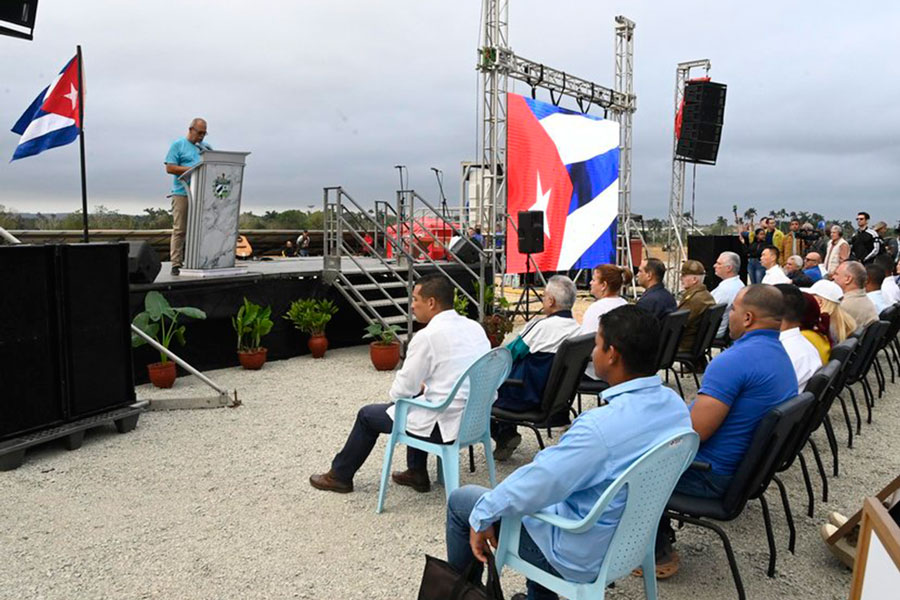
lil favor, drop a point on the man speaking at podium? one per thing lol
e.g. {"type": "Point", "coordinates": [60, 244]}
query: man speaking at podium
{"type": "Point", "coordinates": [183, 154]}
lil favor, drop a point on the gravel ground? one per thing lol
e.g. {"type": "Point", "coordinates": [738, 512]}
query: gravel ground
{"type": "Point", "coordinates": [216, 504]}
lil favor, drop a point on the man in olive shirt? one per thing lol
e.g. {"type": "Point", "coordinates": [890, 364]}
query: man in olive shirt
{"type": "Point", "coordinates": [695, 298]}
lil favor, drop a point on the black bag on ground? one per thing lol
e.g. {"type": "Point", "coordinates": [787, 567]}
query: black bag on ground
{"type": "Point", "coordinates": [440, 581]}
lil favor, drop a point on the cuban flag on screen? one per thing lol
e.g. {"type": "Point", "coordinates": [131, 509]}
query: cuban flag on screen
{"type": "Point", "coordinates": [566, 164]}
{"type": "Point", "coordinates": [52, 119]}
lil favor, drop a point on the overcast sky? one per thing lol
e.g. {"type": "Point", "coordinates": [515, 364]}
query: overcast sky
{"type": "Point", "coordinates": [337, 92]}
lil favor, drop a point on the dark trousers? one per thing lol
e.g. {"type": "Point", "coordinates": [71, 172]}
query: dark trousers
{"type": "Point", "coordinates": [372, 420]}
{"type": "Point", "coordinates": [503, 432]}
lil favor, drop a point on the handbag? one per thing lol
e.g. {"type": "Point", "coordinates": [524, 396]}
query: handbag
{"type": "Point", "coordinates": [440, 581]}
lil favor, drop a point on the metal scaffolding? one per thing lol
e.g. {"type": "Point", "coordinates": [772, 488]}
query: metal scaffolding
{"type": "Point", "coordinates": [497, 63]}
{"type": "Point", "coordinates": [678, 223]}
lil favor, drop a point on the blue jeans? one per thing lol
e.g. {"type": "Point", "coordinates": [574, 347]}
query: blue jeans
{"type": "Point", "coordinates": [459, 552]}
{"type": "Point", "coordinates": [702, 484]}
{"type": "Point", "coordinates": [755, 270]}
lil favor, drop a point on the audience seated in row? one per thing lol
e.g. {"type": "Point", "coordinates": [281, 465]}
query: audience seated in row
{"type": "Point", "coordinates": [874, 282]}
{"type": "Point", "coordinates": [851, 277]}
{"type": "Point", "coordinates": [568, 478]}
{"type": "Point", "coordinates": [813, 267]}
{"type": "Point", "coordinates": [889, 288]}
{"type": "Point", "coordinates": [793, 266]}
{"type": "Point", "coordinates": [532, 352]}
{"type": "Point", "coordinates": [606, 285]}
{"type": "Point", "coordinates": [840, 324]}
{"type": "Point", "coordinates": [739, 387]}
{"type": "Point", "coordinates": [436, 357]}
{"type": "Point", "coordinates": [656, 299]}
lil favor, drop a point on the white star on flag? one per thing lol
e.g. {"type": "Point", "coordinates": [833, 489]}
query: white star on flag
{"type": "Point", "coordinates": [541, 200]}
{"type": "Point", "coordinates": [72, 95]}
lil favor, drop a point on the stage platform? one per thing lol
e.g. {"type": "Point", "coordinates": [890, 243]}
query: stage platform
{"type": "Point", "coordinates": [212, 343]}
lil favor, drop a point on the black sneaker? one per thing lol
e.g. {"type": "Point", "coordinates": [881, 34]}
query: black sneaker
{"type": "Point", "coordinates": [505, 448]}
{"type": "Point", "coordinates": [176, 271]}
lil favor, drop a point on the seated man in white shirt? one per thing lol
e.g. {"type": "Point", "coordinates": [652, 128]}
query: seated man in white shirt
{"type": "Point", "coordinates": [533, 352]}
{"type": "Point", "coordinates": [769, 260]}
{"type": "Point", "coordinates": [436, 357]}
{"type": "Point", "coordinates": [803, 354]}
{"type": "Point", "coordinates": [874, 281]}
{"type": "Point", "coordinates": [890, 291]}
{"type": "Point", "coordinates": [728, 269]}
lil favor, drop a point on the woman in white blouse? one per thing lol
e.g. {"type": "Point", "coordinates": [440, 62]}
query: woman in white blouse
{"type": "Point", "coordinates": [605, 287]}
{"type": "Point", "coordinates": [838, 250]}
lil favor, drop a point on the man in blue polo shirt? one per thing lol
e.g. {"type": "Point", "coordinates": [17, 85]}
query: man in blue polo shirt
{"type": "Point", "coordinates": [739, 387]}
{"type": "Point", "coordinates": [568, 478]}
{"type": "Point", "coordinates": [183, 154]}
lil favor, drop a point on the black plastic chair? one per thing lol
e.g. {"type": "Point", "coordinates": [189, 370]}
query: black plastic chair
{"type": "Point", "coordinates": [590, 386]}
{"type": "Point", "coordinates": [866, 352]}
{"type": "Point", "coordinates": [841, 353]}
{"type": "Point", "coordinates": [670, 334]}
{"type": "Point", "coordinates": [891, 314]}
{"type": "Point", "coordinates": [819, 386]}
{"type": "Point", "coordinates": [706, 332]}
{"type": "Point", "coordinates": [559, 392]}
{"type": "Point", "coordinates": [771, 443]}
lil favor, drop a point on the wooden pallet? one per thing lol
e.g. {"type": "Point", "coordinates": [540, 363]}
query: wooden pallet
{"type": "Point", "coordinates": [12, 452]}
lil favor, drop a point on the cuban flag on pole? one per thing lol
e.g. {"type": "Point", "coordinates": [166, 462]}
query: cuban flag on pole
{"type": "Point", "coordinates": [52, 119]}
{"type": "Point", "coordinates": [566, 164]}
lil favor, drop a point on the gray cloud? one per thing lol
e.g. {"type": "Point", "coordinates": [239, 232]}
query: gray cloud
{"type": "Point", "coordinates": [327, 93]}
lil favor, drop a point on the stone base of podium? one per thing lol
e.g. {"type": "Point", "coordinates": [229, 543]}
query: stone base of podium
{"type": "Point", "coordinates": [226, 272]}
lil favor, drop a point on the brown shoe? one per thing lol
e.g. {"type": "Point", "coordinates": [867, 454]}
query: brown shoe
{"type": "Point", "coordinates": [417, 480]}
{"type": "Point", "coordinates": [330, 483]}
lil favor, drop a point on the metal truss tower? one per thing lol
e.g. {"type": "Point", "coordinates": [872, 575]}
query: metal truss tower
{"type": "Point", "coordinates": [497, 63]}
{"type": "Point", "coordinates": [678, 223]}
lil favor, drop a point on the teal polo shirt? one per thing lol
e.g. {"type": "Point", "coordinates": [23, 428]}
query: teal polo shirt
{"type": "Point", "coordinates": [183, 154]}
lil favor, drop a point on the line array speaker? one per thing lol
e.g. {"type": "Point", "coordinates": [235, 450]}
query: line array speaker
{"type": "Point", "coordinates": [531, 231]}
{"type": "Point", "coordinates": [702, 117]}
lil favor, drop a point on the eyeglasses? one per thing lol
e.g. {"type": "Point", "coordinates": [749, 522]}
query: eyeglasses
{"type": "Point", "coordinates": [860, 218]}
{"type": "Point", "coordinates": [198, 132]}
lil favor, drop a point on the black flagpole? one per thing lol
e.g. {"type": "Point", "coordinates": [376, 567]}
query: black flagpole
{"type": "Point", "coordinates": [84, 205]}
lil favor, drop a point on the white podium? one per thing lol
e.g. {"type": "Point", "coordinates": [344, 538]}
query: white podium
{"type": "Point", "coordinates": [214, 206]}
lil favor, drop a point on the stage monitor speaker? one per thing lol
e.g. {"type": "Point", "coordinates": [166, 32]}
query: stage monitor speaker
{"type": "Point", "coordinates": [143, 263]}
{"type": "Point", "coordinates": [702, 117]}
{"type": "Point", "coordinates": [707, 248]}
{"type": "Point", "coordinates": [96, 327]}
{"type": "Point", "coordinates": [30, 348]}
{"type": "Point", "coordinates": [466, 252]}
{"type": "Point", "coordinates": [20, 15]}
{"type": "Point", "coordinates": [531, 231]}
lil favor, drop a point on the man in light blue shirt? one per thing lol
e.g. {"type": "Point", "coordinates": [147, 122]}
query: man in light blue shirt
{"type": "Point", "coordinates": [568, 479]}
{"type": "Point", "coordinates": [183, 154]}
{"type": "Point", "coordinates": [728, 269]}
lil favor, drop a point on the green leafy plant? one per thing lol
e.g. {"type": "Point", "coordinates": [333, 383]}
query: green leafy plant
{"type": "Point", "coordinates": [460, 303]}
{"type": "Point", "coordinates": [251, 323]}
{"type": "Point", "coordinates": [160, 321]}
{"type": "Point", "coordinates": [310, 315]}
{"type": "Point", "coordinates": [381, 334]}
{"type": "Point", "coordinates": [491, 302]}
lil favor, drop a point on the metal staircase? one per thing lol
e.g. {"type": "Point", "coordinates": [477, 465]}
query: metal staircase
{"type": "Point", "coordinates": [379, 287]}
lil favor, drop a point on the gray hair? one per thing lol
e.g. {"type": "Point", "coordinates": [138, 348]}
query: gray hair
{"type": "Point", "coordinates": [837, 228]}
{"type": "Point", "coordinates": [562, 290]}
{"type": "Point", "coordinates": [856, 271]}
{"type": "Point", "coordinates": [798, 262]}
{"type": "Point", "coordinates": [732, 259]}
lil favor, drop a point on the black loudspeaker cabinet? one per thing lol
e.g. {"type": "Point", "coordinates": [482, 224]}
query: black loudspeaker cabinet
{"type": "Point", "coordinates": [531, 231]}
{"type": "Point", "coordinates": [96, 327]}
{"type": "Point", "coordinates": [143, 263]}
{"type": "Point", "coordinates": [465, 251]}
{"type": "Point", "coordinates": [65, 341]}
{"type": "Point", "coordinates": [30, 348]}
{"type": "Point", "coordinates": [702, 117]}
{"type": "Point", "coordinates": [707, 248]}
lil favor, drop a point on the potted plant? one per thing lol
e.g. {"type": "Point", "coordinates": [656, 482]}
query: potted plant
{"type": "Point", "coordinates": [251, 323]}
{"type": "Point", "coordinates": [385, 350]}
{"type": "Point", "coordinates": [160, 321]}
{"type": "Point", "coordinates": [498, 323]}
{"type": "Point", "coordinates": [311, 316]}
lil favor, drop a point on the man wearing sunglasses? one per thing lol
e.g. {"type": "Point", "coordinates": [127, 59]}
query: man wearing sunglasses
{"type": "Point", "coordinates": [865, 244]}
{"type": "Point", "coordinates": [183, 154]}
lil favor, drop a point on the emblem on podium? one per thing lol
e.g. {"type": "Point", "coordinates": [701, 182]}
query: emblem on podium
{"type": "Point", "coordinates": [222, 187]}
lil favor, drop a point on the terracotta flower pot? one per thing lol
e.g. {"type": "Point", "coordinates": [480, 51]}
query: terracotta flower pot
{"type": "Point", "coordinates": [496, 339]}
{"type": "Point", "coordinates": [318, 344]}
{"type": "Point", "coordinates": [162, 375]}
{"type": "Point", "coordinates": [384, 356]}
{"type": "Point", "coordinates": [253, 359]}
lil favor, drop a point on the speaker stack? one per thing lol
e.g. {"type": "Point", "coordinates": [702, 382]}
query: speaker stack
{"type": "Point", "coordinates": [65, 341]}
{"type": "Point", "coordinates": [702, 117]}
